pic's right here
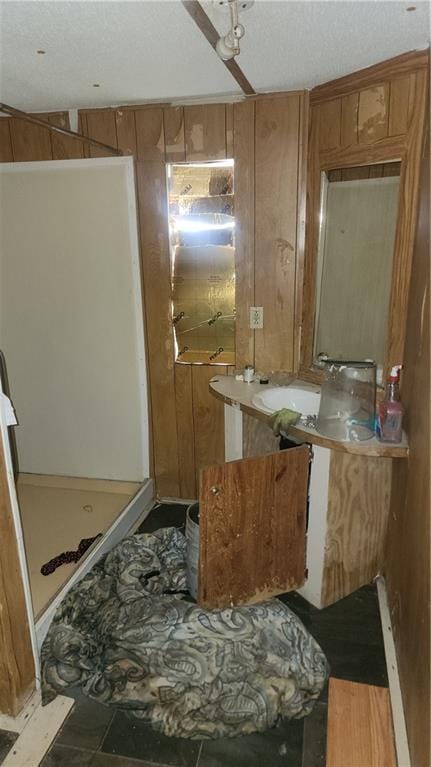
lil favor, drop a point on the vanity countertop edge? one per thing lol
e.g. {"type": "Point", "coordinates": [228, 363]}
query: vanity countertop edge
{"type": "Point", "coordinates": [239, 394]}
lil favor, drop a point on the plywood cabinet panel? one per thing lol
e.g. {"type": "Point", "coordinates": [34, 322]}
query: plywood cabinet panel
{"type": "Point", "coordinates": [252, 528]}
{"type": "Point", "coordinates": [185, 430]}
{"type": "Point", "coordinates": [276, 181]}
{"type": "Point", "coordinates": [208, 418]}
{"type": "Point", "coordinates": [205, 132]}
{"type": "Point", "coordinates": [257, 437]}
{"type": "Point", "coordinates": [175, 150]}
{"type": "Point", "coordinates": [358, 508]}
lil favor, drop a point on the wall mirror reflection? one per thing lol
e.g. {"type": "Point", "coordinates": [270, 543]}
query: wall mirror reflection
{"type": "Point", "coordinates": [354, 264]}
{"type": "Point", "coordinates": [202, 238]}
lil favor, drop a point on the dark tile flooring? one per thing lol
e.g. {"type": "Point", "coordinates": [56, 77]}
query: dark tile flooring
{"type": "Point", "coordinates": [350, 634]}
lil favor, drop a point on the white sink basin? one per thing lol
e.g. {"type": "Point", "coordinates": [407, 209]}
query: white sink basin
{"type": "Point", "coordinates": [304, 399]}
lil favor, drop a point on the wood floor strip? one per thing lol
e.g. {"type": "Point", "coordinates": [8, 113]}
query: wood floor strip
{"type": "Point", "coordinates": [38, 734]}
{"type": "Point", "coordinates": [360, 732]}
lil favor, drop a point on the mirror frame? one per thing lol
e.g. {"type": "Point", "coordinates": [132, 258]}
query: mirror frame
{"type": "Point", "coordinates": [405, 148]}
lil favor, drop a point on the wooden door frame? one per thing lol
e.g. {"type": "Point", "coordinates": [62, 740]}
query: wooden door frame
{"type": "Point", "coordinates": [19, 660]}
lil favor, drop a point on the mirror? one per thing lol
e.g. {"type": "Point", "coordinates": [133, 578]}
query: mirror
{"type": "Point", "coordinates": [358, 217]}
{"type": "Point", "coordinates": [202, 232]}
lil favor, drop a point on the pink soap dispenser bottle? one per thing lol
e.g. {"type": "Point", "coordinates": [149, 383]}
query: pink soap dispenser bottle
{"type": "Point", "coordinates": [390, 415]}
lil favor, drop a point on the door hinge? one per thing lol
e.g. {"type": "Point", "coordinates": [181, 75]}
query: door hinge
{"type": "Point", "coordinates": [306, 573]}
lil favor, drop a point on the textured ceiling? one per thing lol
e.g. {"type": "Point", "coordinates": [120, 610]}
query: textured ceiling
{"type": "Point", "coordinates": [147, 51]}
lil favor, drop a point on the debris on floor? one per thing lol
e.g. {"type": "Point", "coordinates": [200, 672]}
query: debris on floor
{"type": "Point", "coordinates": [128, 635]}
{"type": "Point", "coordinates": [69, 556]}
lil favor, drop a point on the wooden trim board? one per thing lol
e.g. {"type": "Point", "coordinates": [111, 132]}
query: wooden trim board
{"type": "Point", "coordinates": [19, 663]}
{"type": "Point", "coordinates": [360, 732]}
{"type": "Point", "coordinates": [39, 732]}
{"type": "Point", "coordinates": [80, 483]}
{"type": "Point", "coordinates": [400, 730]}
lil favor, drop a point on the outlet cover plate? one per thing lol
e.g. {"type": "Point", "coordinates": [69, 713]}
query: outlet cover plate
{"type": "Point", "coordinates": [256, 317]}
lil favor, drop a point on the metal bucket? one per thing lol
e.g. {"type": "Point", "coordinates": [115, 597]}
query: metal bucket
{"type": "Point", "coordinates": [192, 540]}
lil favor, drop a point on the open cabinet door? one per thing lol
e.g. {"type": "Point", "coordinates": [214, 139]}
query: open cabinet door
{"type": "Point", "coordinates": [252, 528]}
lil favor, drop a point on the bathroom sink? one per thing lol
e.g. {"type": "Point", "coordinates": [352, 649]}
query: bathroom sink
{"type": "Point", "coordinates": [305, 399]}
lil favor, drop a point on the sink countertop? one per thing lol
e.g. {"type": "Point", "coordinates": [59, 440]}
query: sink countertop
{"type": "Point", "coordinates": [240, 395]}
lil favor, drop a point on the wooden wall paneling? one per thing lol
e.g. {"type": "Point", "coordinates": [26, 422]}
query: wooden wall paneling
{"type": "Point", "coordinates": [17, 672]}
{"type": "Point", "coordinates": [330, 124]}
{"type": "Point", "coordinates": [6, 154]}
{"type": "Point", "coordinates": [373, 114]}
{"type": "Point", "coordinates": [399, 66]}
{"type": "Point", "coordinates": [185, 430]}
{"type": "Point", "coordinates": [407, 565]}
{"type": "Point", "coordinates": [83, 128]}
{"type": "Point", "coordinates": [229, 130]}
{"type": "Point", "coordinates": [29, 142]}
{"type": "Point", "coordinates": [276, 193]}
{"type": "Point", "coordinates": [175, 148]}
{"type": "Point", "coordinates": [406, 226]}
{"type": "Point", "coordinates": [399, 106]}
{"type": "Point", "coordinates": [126, 130]}
{"type": "Point", "coordinates": [358, 508]}
{"type": "Point", "coordinates": [312, 225]}
{"type": "Point", "coordinates": [349, 119]}
{"type": "Point", "coordinates": [100, 125]}
{"type": "Point", "coordinates": [153, 219]}
{"type": "Point", "coordinates": [360, 730]}
{"type": "Point", "coordinates": [149, 133]}
{"type": "Point", "coordinates": [252, 530]}
{"type": "Point", "coordinates": [64, 147]}
{"type": "Point", "coordinates": [243, 115]}
{"type": "Point", "coordinates": [205, 132]}
{"type": "Point", "coordinates": [301, 220]}
{"type": "Point", "coordinates": [208, 418]}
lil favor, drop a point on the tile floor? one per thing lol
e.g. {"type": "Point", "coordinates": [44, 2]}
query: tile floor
{"type": "Point", "coordinates": [350, 635]}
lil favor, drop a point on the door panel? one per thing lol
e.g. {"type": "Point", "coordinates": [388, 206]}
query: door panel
{"type": "Point", "coordinates": [252, 528]}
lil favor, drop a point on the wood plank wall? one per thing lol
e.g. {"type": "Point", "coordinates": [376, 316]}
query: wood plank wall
{"type": "Point", "coordinates": [408, 547]}
{"type": "Point", "coordinates": [17, 672]}
{"type": "Point", "coordinates": [372, 116]}
{"type": "Point", "coordinates": [265, 138]}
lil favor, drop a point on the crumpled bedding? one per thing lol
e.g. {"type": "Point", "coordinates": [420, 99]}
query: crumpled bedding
{"type": "Point", "coordinates": [128, 634]}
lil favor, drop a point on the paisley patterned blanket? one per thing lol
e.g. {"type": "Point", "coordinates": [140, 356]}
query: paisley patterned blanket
{"type": "Point", "coordinates": [128, 635]}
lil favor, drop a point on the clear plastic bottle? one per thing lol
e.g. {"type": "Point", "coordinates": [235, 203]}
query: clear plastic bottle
{"type": "Point", "coordinates": [390, 415]}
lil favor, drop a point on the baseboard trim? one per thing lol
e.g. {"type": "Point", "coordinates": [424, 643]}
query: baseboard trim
{"type": "Point", "coordinates": [134, 513]}
{"type": "Point", "coordinates": [40, 728]}
{"type": "Point", "coordinates": [399, 722]}
{"type": "Point", "coordinates": [179, 501]}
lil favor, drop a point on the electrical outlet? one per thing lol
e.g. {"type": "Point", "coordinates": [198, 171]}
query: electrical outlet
{"type": "Point", "coordinates": [256, 317]}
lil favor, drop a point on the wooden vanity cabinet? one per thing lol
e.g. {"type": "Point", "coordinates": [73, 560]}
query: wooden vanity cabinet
{"type": "Point", "coordinates": [252, 528]}
{"type": "Point", "coordinates": [348, 508]}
